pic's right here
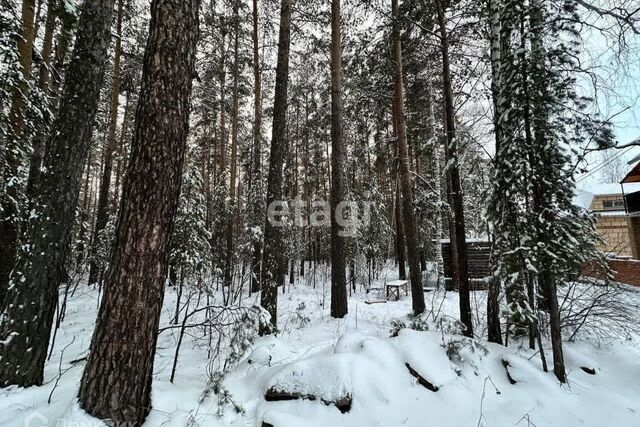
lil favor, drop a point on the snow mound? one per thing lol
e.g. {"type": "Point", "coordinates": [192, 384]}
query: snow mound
{"type": "Point", "coordinates": [326, 378]}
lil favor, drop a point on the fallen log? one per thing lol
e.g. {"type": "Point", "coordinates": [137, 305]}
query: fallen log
{"type": "Point", "coordinates": [421, 380]}
{"type": "Point", "coordinates": [590, 371]}
{"type": "Point", "coordinates": [343, 403]}
{"type": "Point", "coordinates": [506, 365]}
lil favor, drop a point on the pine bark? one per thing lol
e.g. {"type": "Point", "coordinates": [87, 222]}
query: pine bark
{"type": "Point", "coordinates": [37, 145]}
{"type": "Point", "coordinates": [255, 178]}
{"type": "Point", "coordinates": [400, 235]}
{"type": "Point", "coordinates": [228, 269]}
{"type": "Point", "coordinates": [28, 317]}
{"type": "Point", "coordinates": [116, 383]}
{"type": "Point", "coordinates": [11, 191]}
{"type": "Point", "coordinates": [338, 271]}
{"type": "Point", "coordinates": [25, 60]}
{"type": "Point", "coordinates": [437, 181]}
{"type": "Point", "coordinates": [454, 181]}
{"type": "Point", "coordinates": [274, 267]}
{"type": "Point", "coordinates": [417, 293]}
{"type": "Point", "coordinates": [222, 159]}
{"type": "Point", "coordinates": [102, 214]}
{"type": "Point", "coordinates": [62, 45]}
{"type": "Point", "coordinates": [121, 152]}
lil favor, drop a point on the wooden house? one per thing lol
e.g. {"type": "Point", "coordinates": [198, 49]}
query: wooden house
{"type": "Point", "coordinates": [608, 202]}
{"type": "Point", "coordinates": [631, 193]}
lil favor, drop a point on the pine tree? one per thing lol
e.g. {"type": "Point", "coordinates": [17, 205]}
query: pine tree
{"type": "Point", "coordinates": [27, 318]}
{"type": "Point", "coordinates": [15, 156]}
{"type": "Point", "coordinates": [102, 213]}
{"type": "Point", "coordinates": [255, 174]}
{"type": "Point", "coordinates": [417, 293]}
{"type": "Point", "coordinates": [273, 264]}
{"type": "Point", "coordinates": [454, 188]}
{"type": "Point", "coordinates": [116, 383]}
{"type": "Point", "coordinates": [338, 273]}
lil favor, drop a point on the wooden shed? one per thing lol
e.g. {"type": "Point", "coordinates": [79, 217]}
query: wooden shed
{"type": "Point", "coordinates": [478, 255]}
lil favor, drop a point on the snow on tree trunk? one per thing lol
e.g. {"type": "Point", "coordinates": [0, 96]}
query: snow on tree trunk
{"type": "Point", "coordinates": [417, 293]}
{"type": "Point", "coordinates": [273, 263]}
{"type": "Point", "coordinates": [116, 383]}
{"type": "Point", "coordinates": [338, 254]}
{"type": "Point", "coordinates": [102, 214]}
{"type": "Point", "coordinates": [26, 322]}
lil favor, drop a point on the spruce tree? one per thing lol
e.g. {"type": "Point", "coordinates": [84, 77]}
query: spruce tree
{"type": "Point", "coordinates": [542, 239]}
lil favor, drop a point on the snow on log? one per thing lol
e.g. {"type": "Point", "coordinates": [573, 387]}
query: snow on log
{"type": "Point", "coordinates": [325, 379]}
{"type": "Point", "coordinates": [343, 403]}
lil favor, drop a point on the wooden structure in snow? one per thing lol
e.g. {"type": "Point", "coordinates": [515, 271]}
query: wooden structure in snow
{"type": "Point", "coordinates": [632, 207]}
{"type": "Point", "coordinates": [393, 288]}
{"type": "Point", "coordinates": [478, 256]}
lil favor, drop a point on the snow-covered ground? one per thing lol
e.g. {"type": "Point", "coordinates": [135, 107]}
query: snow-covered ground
{"type": "Point", "coordinates": [352, 358]}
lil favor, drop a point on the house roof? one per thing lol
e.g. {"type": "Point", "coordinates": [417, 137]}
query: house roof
{"type": "Point", "coordinates": [633, 175]}
{"type": "Point", "coordinates": [612, 189]}
{"type": "Point", "coordinates": [635, 160]}
{"type": "Point", "coordinates": [584, 196]}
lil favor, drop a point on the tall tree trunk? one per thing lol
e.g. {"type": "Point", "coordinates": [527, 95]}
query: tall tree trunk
{"type": "Point", "coordinates": [84, 211]}
{"type": "Point", "coordinates": [417, 293]}
{"type": "Point", "coordinates": [400, 239]}
{"type": "Point", "coordinates": [255, 177]}
{"type": "Point", "coordinates": [228, 269]}
{"type": "Point", "coordinates": [437, 184]}
{"type": "Point", "coordinates": [102, 215]}
{"type": "Point", "coordinates": [494, 333]}
{"type": "Point", "coordinates": [454, 180]}
{"type": "Point", "coordinates": [14, 151]}
{"type": "Point", "coordinates": [338, 272]}
{"type": "Point", "coordinates": [29, 315]}
{"type": "Point", "coordinates": [222, 159]}
{"type": "Point", "coordinates": [37, 145]}
{"type": "Point", "coordinates": [493, 295]}
{"type": "Point", "coordinates": [273, 255]}
{"type": "Point", "coordinates": [121, 153]}
{"type": "Point", "coordinates": [400, 234]}
{"type": "Point", "coordinates": [25, 60]}
{"type": "Point", "coordinates": [543, 199]}
{"type": "Point", "coordinates": [62, 46]}
{"type": "Point", "coordinates": [116, 383]}
{"type": "Point", "coordinates": [551, 294]}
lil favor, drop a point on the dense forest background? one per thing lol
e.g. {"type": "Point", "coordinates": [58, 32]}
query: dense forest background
{"type": "Point", "coordinates": [143, 148]}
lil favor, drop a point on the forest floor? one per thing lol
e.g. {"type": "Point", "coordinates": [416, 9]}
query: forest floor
{"type": "Point", "coordinates": [354, 359]}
